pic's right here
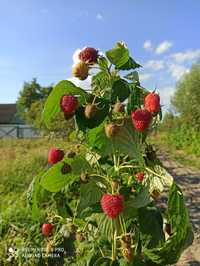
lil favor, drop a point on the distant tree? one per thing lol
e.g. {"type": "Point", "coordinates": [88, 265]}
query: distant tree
{"type": "Point", "coordinates": [30, 105]}
{"type": "Point", "coordinates": [186, 100]}
{"type": "Point", "coordinates": [31, 92]}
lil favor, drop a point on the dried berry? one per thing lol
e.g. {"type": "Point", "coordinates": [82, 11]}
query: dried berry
{"type": "Point", "coordinates": [118, 107]}
{"type": "Point", "coordinates": [90, 110]}
{"type": "Point", "coordinates": [81, 71]}
{"type": "Point", "coordinates": [111, 130]}
{"type": "Point", "coordinates": [66, 169]}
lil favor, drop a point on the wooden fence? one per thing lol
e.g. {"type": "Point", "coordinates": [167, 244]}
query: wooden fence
{"type": "Point", "coordinates": [17, 131]}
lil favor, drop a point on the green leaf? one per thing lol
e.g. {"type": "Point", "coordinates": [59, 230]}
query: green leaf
{"type": "Point", "coordinates": [103, 63]}
{"type": "Point", "coordinates": [32, 196]}
{"type": "Point", "coordinates": [79, 165]}
{"type": "Point", "coordinates": [102, 111]}
{"type": "Point", "coordinates": [133, 76]}
{"type": "Point", "coordinates": [136, 97]}
{"type": "Point", "coordinates": [125, 142]}
{"type": "Point", "coordinates": [141, 200]}
{"type": "Point", "coordinates": [103, 262]}
{"type": "Point", "coordinates": [120, 91]}
{"type": "Point", "coordinates": [130, 64]}
{"type": "Point", "coordinates": [52, 104]}
{"type": "Point", "coordinates": [90, 194]}
{"type": "Point", "coordinates": [170, 251]}
{"type": "Point", "coordinates": [119, 55]}
{"type": "Point", "coordinates": [152, 234]}
{"type": "Point", "coordinates": [101, 81]}
{"type": "Point", "coordinates": [104, 225]}
{"type": "Point", "coordinates": [54, 180]}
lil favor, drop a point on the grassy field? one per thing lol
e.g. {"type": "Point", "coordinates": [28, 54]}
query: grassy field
{"type": "Point", "coordinates": [20, 161]}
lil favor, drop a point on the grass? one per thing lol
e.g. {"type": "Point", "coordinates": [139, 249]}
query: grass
{"type": "Point", "coordinates": [186, 156]}
{"type": "Point", "coordinates": [20, 161]}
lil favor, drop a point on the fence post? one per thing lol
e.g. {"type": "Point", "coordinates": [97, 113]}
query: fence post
{"type": "Point", "coordinates": [18, 133]}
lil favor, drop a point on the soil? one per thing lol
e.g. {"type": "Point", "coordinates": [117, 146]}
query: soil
{"type": "Point", "coordinates": [189, 181]}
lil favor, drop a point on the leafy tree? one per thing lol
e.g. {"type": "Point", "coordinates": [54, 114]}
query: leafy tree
{"type": "Point", "coordinates": [186, 98]}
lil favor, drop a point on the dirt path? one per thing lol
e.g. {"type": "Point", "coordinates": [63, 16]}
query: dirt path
{"type": "Point", "coordinates": [189, 181]}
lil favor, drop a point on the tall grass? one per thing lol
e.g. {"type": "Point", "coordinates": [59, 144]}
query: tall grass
{"type": "Point", "coordinates": [20, 161]}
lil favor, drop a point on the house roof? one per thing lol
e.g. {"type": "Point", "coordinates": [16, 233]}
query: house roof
{"type": "Point", "coordinates": [8, 114]}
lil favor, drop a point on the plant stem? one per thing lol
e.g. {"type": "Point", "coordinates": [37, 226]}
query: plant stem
{"type": "Point", "coordinates": [114, 235]}
{"type": "Point", "coordinates": [122, 227]}
{"type": "Point", "coordinates": [154, 173]}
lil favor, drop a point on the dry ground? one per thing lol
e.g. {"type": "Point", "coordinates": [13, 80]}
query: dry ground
{"type": "Point", "coordinates": [189, 181]}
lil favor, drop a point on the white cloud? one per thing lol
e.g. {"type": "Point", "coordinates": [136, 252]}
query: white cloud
{"type": "Point", "coordinates": [189, 55]}
{"type": "Point", "coordinates": [155, 64]}
{"type": "Point", "coordinates": [75, 56]}
{"type": "Point", "coordinates": [99, 16]}
{"type": "Point", "coordinates": [163, 47]}
{"type": "Point", "coordinates": [148, 45]}
{"type": "Point", "coordinates": [165, 95]}
{"type": "Point", "coordinates": [177, 71]}
{"type": "Point", "coordinates": [84, 84]}
{"type": "Point", "coordinates": [145, 76]}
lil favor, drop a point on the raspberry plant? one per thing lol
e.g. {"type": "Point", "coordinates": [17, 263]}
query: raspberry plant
{"type": "Point", "coordinates": [108, 187]}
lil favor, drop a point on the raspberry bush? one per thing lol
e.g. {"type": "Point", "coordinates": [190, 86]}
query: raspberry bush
{"type": "Point", "coordinates": [106, 190]}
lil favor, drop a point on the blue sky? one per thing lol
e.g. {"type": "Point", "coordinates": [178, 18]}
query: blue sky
{"type": "Point", "coordinates": [39, 37]}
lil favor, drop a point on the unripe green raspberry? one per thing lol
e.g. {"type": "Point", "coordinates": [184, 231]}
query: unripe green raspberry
{"type": "Point", "coordinates": [81, 71]}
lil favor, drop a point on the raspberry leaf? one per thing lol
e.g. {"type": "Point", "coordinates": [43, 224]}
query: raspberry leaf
{"type": "Point", "coordinates": [52, 104]}
{"type": "Point", "coordinates": [179, 219]}
{"type": "Point", "coordinates": [54, 180]}
{"type": "Point", "coordinates": [119, 55]}
{"type": "Point", "coordinates": [120, 91]}
{"type": "Point", "coordinates": [90, 194]}
{"type": "Point", "coordinates": [152, 234]}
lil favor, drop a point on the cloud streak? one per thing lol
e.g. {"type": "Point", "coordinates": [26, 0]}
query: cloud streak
{"type": "Point", "coordinates": [99, 16]}
{"type": "Point", "coordinates": [163, 47]}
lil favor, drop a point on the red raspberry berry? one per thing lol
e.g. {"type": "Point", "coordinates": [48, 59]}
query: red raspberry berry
{"type": "Point", "coordinates": [140, 176]}
{"type": "Point", "coordinates": [112, 205]}
{"type": "Point", "coordinates": [89, 55]}
{"type": "Point", "coordinates": [69, 104]}
{"type": "Point", "coordinates": [152, 102]}
{"type": "Point", "coordinates": [55, 155]}
{"type": "Point", "coordinates": [47, 229]}
{"type": "Point", "coordinates": [141, 119]}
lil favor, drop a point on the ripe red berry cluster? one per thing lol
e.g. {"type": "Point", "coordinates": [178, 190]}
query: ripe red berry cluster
{"type": "Point", "coordinates": [88, 56]}
{"type": "Point", "coordinates": [55, 155]}
{"type": "Point", "coordinates": [47, 229]}
{"type": "Point", "coordinates": [140, 176]}
{"type": "Point", "coordinates": [68, 105]}
{"type": "Point", "coordinates": [142, 118]}
{"type": "Point", "coordinates": [112, 205]}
